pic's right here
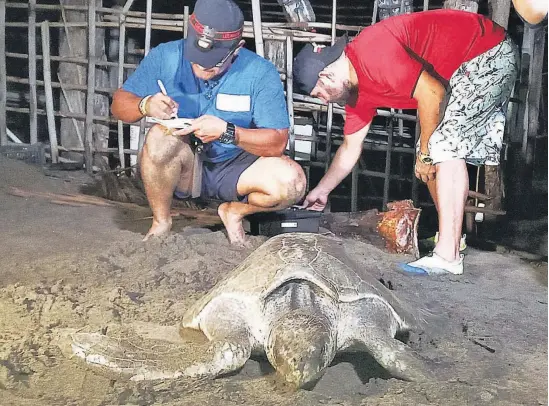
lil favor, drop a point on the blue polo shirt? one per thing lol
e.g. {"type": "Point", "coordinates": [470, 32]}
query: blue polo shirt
{"type": "Point", "coordinates": [249, 94]}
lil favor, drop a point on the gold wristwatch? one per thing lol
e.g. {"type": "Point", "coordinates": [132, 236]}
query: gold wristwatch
{"type": "Point", "coordinates": [424, 158]}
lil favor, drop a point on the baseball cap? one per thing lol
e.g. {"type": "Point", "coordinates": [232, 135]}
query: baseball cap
{"type": "Point", "coordinates": [215, 28]}
{"type": "Point", "coordinates": [311, 60]}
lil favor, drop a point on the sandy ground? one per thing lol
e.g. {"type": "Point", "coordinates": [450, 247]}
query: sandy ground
{"type": "Point", "coordinates": [86, 268]}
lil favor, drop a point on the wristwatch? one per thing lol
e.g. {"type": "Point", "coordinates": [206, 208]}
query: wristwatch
{"type": "Point", "coordinates": [424, 158]}
{"type": "Point", "coordinates": [229, 136]}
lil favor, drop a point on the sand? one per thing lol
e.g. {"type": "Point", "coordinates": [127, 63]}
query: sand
{"type": "Point", "coordinates": [86, 269]}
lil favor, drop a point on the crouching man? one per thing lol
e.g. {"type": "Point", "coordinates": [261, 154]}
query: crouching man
{"type": "Point", "coordinates": [240, 116]}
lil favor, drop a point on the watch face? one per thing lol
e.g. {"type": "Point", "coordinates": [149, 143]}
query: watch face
{"type": "Point", "coordinates": [226, 138]}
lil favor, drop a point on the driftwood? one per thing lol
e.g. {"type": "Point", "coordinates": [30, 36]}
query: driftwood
{"type": "Point", "coordinates": [394, 230]}
{"type": "Point", "coordinates": [202, 217]}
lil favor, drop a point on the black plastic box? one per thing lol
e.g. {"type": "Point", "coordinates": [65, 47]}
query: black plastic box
{"type": "Point", "coordinates": [289, 220]}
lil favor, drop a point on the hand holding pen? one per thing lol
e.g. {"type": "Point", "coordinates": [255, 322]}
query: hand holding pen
{"type": "Point", "coordinates": [161, 105]}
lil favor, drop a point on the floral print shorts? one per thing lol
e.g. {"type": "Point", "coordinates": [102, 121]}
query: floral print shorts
{"type": "Point", "coordinates": [474, 120]}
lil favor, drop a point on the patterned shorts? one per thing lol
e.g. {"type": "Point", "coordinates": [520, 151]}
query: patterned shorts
{"type": "Point", "coordinates": [474, 120]}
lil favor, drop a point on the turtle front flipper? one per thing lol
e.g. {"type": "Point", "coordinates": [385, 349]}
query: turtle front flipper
{"type": "Point", "coordinates": [371, 325]}
{"type": "Point", "coordinates": [139, 358]}
{"type": "Point", "coordinates": [226, 356]}
{"type": "Point", "coordinates": [396, 357]}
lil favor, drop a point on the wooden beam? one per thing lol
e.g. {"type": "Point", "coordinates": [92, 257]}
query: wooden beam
{"type": "Point", "coordinates": [48, 91]}
{"type": "Point", "coordinates": [88, 124]}
{"type": "Point", "coordinates": [3, 75]}
{"type": "Point", "coordinates": [33, 105]}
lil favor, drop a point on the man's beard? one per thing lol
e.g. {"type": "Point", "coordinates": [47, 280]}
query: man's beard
{"type": "Point", "coordinates": [341, 95]}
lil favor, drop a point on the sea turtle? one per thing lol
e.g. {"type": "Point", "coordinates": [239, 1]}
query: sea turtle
{"type": "Point", "coordinates": [297, 298]}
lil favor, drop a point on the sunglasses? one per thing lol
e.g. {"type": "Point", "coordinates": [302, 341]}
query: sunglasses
{"type": "Point", "coordinates": [225, 58]}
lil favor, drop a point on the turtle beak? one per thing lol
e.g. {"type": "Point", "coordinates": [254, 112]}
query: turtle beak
{"type": "Point", "coordinates": [300, 348]}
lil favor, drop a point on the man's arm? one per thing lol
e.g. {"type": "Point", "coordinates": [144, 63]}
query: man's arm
{"type": "Point", "coordinates": [262, 141]}
{"type": "Point", "coordinates": [257, 141]}
{"type": "Point", "coordinates": [429, 94]}
{"type": "Point", "coordinates": [344, 160]}
{"type": "Point", "coordinates": [125, 106]}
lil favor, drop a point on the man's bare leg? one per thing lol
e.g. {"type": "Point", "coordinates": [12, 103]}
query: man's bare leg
{"type": "Point", "coordinates": [166, 162]}
{"type": "Point", "coordinates": [432, 186]}
{"type": "Point", "coordinates": [451, 195]}
{"type": "Point", "coordinates": [271, 183]}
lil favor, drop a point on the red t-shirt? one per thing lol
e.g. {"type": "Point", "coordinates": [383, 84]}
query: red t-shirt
{"type": "Point", "coordinates": [389, 57]}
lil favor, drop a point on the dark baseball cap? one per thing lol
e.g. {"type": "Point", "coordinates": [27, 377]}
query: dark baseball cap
{"type": "Point", "coordinates": [215, 28]}
{"type": "Point", "coordinates": [311, 60]}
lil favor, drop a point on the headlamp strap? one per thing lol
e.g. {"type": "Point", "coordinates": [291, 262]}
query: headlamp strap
{"type": "Point", "coordinates": [211, 34]}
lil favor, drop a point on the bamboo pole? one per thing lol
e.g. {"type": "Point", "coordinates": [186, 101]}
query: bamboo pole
{"type": "Point", "coordinates": [63, 114]}
{"type": "Point", "coordinates": [81, 61]}
{"type": "Point", "coordinates": [290, 92]}
{"type": "Point", "coordinates": [258, 31]}
{"type": "Point", "coordinates": [57, 85]}
{"type": "Point", "coordinates": [33, 119]}
{"type": "Point", "coordinates": [48, 91]}
{"type": "Point", "coordinates": [148, 28]}
{"type": "Point", "coordinates": [185, 21]}
{"type": "Point", "coordinates": [121, 49]}
{"type": "Point", "coordinates": [330, 114]}
{"type": "Point", "coordinates": [3, 75]}
{"type": "Point", "coordinates": [88, 124]}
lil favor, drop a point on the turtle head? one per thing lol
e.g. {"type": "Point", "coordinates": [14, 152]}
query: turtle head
{"type": "Point", "coordinates": [300, 346]}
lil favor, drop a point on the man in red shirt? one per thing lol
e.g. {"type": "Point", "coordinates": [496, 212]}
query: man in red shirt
{"type": "Point", "coordinates": [456, 68]}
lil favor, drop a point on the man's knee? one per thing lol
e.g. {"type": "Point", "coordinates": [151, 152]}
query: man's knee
{"type": "Point", "coordinates": [291, 181]}
{"type": "Point", "coordinates": [162, 148]}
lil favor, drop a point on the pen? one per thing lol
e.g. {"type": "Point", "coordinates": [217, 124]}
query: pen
{"type": "Point", "coordinates": [163, 90]}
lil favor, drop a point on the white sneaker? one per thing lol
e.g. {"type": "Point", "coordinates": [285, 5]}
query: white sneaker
{"type": "Point", "coordinates": [434, 264]}
{"type": "Point", "coordinates": [462, 241]}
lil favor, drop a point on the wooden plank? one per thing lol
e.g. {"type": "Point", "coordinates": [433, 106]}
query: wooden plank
{"type": "Point", "coordinates": [33, 98]}
{"type": "Point", "coordinates": [3, 75]}
{"type": "Point", "coordinates": [88, 124]}
{"type": "Point", "coordinates": [45, 31]}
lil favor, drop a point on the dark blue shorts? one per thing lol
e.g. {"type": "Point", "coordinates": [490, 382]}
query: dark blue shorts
{"type": "Point", "coordinates": [219, 179]}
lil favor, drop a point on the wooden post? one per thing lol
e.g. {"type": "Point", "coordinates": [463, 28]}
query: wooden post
{"type": "Point", "coordinates": [258, 32]}
{"type": "Point", "coordinates": [387, 180]}
{"type": "Point", "coordinates": [415, 183]}
{"type": "Point", "coordinates": [354, 188]}
{"type": "Point", "coordinates": [500, 11]}
{"type": "Point", "coordinates": [71, 110]}
{"type": "Point", "coordinates": [48, 91]}
{"type": "Point", "coordinates": [290, 92]}
{"type": "Point", "coordinates": [148, 28]}
{"type": "Point", "coordinates": [3, 75]}
{"type": "Point", "coordinates": [88, 139]}
{"type": "Point", "coordinates": [33, 105]}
